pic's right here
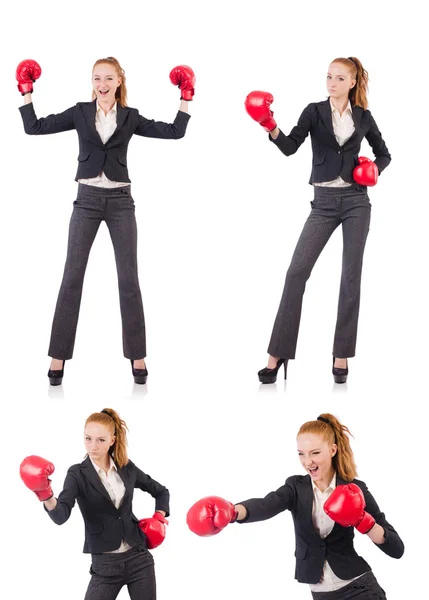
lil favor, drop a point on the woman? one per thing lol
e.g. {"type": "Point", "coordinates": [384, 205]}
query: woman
{"type": "Point", "coordinates": [103, 485]}
{"type": "Point", "coordinates": [326, 504]}
{"type": "Point", "coordinates": [337, 127]}
{"type": "Point", "coordinates": [104, 127]}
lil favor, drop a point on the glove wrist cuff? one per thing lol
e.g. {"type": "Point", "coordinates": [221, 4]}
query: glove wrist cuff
{"type": "Point", "coordinates": [366, 524]}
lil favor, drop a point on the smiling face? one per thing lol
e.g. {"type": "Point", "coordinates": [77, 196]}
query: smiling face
{"type": "Point", "coordinates": [105, 82]}
{"type": "Point", "coordinates": [339, 81]}
{"type": "Point", "coordinates": [98, 439]}
{"type": "Point", "coordinates": [316, 454]}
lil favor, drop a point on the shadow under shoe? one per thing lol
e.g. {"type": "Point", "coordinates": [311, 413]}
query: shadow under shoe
{"type": "Point", "coordinates": [56, 376]}
{"type": "Point", "coordinates": [270, 375]}
{"type": "Point", "coordinates": [140, 375]}
{"type": "Point", "coordinates": [340, 375]}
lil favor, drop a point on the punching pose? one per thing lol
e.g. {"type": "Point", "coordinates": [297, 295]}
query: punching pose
{"type": "Point", "coordinates": [104, 127]}
{"type": "Point", "coordinates": [327, 505]}
{"type": "Point", "coordinates": [340, 178]}
{"type": "Point", "coordinates": [103, 486]}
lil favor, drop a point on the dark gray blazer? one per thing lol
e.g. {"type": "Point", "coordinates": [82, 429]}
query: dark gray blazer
{"type": "Point", "coordinates": [329, 158]}
{"type": "Point", "coordinates": [94, 156]}
{"type": "Point", "coordinates": [105, 525]}
{"type": "Point", "coordinates": [311, 551]}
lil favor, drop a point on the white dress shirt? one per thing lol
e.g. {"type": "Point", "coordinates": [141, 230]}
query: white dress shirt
{"type": "Point", "coordinates": [105, 125]}
{"type": "Point", "coordinates": [324, 525]}
{"type": "Point", "coordinates": [343, 130]}
{"type": "Point", "coordinates": [116, 489]}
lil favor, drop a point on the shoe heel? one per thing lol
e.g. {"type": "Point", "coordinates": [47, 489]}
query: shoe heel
{"type": "Point", "coordinates": [340, 375]}
{"type": "Point", "coordinates": [56, 376]}
{"type": "Point", "coordinates": [140, 375]}
{"type": "Point", "coordinates": [270, 375]}
{"type": "Point", "coordinates": [285, 364]}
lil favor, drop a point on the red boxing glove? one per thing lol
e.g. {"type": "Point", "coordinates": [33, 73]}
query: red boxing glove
{"type": "Point", "coordinates": [257, 105]}
{"type": "Point", "coordinates": [210, 515]}
{"type": "Point", "coordinates": [154, 529]}
{"type": "Point", "coordinates": [26, 74]}
{"type": "Point", "coordinates": [346, 506]}
{"type": "Point", "coordinates": [366, 173]}
{"type": "Point", "coordinates": [184, 78]}
{"type": "Point", "coordinates": [35, 471]}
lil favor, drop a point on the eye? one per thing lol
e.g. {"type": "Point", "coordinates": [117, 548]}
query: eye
{"type": "Point", "coordinates": [341, 78]}
{"type": "Point", "coordinates": [316, 452]}
{"type": "Point", "coordinates": [102, 441]}
{"type": "Point", "coordinates": [87, 439]}
{"type": "Point", "coordinates": [328, 77]}
{"type": "Point", "coordinates": [299, 453]}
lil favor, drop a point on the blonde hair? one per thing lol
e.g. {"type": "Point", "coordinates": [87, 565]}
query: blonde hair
{"type": "Point", "coordinates": [333, 432]}
{"type": "Point", "coordinates": [121, 92]}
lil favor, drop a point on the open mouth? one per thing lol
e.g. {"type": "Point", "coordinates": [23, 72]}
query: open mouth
{"type": "Point", "coordinates": [313, 471]}
{"type": "Point", "coordinates": [103, 93]}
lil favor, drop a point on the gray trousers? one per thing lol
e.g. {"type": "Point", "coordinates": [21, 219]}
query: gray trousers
{"type": "Point", "coordinates": [93, 205]}
{"type": "Point", "coordinates": [364, 588]}
{"type": "Point", "coordinates": [349, 207]}
{"type": "Point", "coordinates": [110, 572]}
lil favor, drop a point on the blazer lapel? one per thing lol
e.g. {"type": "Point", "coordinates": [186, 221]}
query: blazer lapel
{"type": "Point", "coordinates": [91, 474]}
{"type": "Point", "coordinates": [123, 475]}
{"type": "Point", "coordinates": [326, 114]}
{"type": "Point", "coordinates": [89, 111]}
{"type": "Point", "coordinates": [357, 112]}
{"type": "Point", "coordinates": [121, 115]}
{"type": "Point", "coordinates": [306, 499]}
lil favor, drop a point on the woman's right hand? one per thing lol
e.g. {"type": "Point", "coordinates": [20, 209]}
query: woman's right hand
{"type": "Point", "coordinates": [210, 515]}
{"type": "Point", "coordinates": [26, 74]}
{"type": "Point", "coordinates": [34, 472]}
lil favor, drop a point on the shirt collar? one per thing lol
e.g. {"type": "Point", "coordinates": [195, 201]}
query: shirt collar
{"type": "Point", "coordinates": [332, 485]}
{"type": "Point", "coordinates": [348, 107]}
{"type": "Point", "coordinates": [98, 469]}
{"type": "Point", "coordinates": [113, 109]}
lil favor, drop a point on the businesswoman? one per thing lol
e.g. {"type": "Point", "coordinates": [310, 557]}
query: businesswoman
{"type": "Point", "coordinates": [103, 486]}
{"type": "Point", "coordinates": [326, 505]}
{"type": "Point", "coordinates": [340, 178]}
{"type": "Point", "coordinates": [104, 127]}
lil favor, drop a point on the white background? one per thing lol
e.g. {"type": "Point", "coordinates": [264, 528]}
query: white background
{"type": "Point", "coordinates": [219, 213]}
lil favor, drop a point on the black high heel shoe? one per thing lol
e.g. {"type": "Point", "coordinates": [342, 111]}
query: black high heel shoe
{"type": "Point", "coordinates": [270, 375]}
{"type": "Point", "coordinates": [340, 375]}
{"type": "Point", "coordinates": [56, 376]}
{"type": "Point", "coordinates": [140, 375]}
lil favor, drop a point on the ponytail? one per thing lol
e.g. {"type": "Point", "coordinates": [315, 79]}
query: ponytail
{"type": "Point", "coordinates": [332, 431]}
{"type": "Point", "coordinates": [112, 421]}
{"type": "Point", "coordinates": [358, 93]}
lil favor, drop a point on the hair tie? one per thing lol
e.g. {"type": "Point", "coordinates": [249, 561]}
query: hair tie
{"type": "Point", "coordinates": [324, 420]}
{"type": "Point", "coordinates": [106, 413]}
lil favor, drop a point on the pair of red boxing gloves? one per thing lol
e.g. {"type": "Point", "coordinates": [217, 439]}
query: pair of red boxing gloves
{"type": "Point", "coordinates": [35, 472]}
{"type": "Point", "coordinates": [28, 71]}
{"type": "Point", "coordinates": [346, 506]}
{"type": "Point", "coordinates": [258, 105]}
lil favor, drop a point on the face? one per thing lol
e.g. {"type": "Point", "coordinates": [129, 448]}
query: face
{"type": "Point", "coordinates": [339, 81]}
{"type": "Point", "coordinates": [105, 82]}
{"type": "Point", "coordinates": [316, 455]}
{"type": "Point", "coordinates": [98, 440]}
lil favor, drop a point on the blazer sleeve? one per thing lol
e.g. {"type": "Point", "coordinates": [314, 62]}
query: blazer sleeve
{"type": "Point", "coordinates": [161, 130]}
{"type": "Point", "coordinates": [393, 545]}
{"type": "Point", "coordinates": [260, 509]}
{"type": "Point", "coordinates": [51, 124]}
{"type": "Point", "coordinates": [289, 144]}
{"type": "Point", "coordinates": [66, 500]}
{"type": "Point", "coordinates": [378, 145]}
{"type": "Point", "coordinates": [155, 489]}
